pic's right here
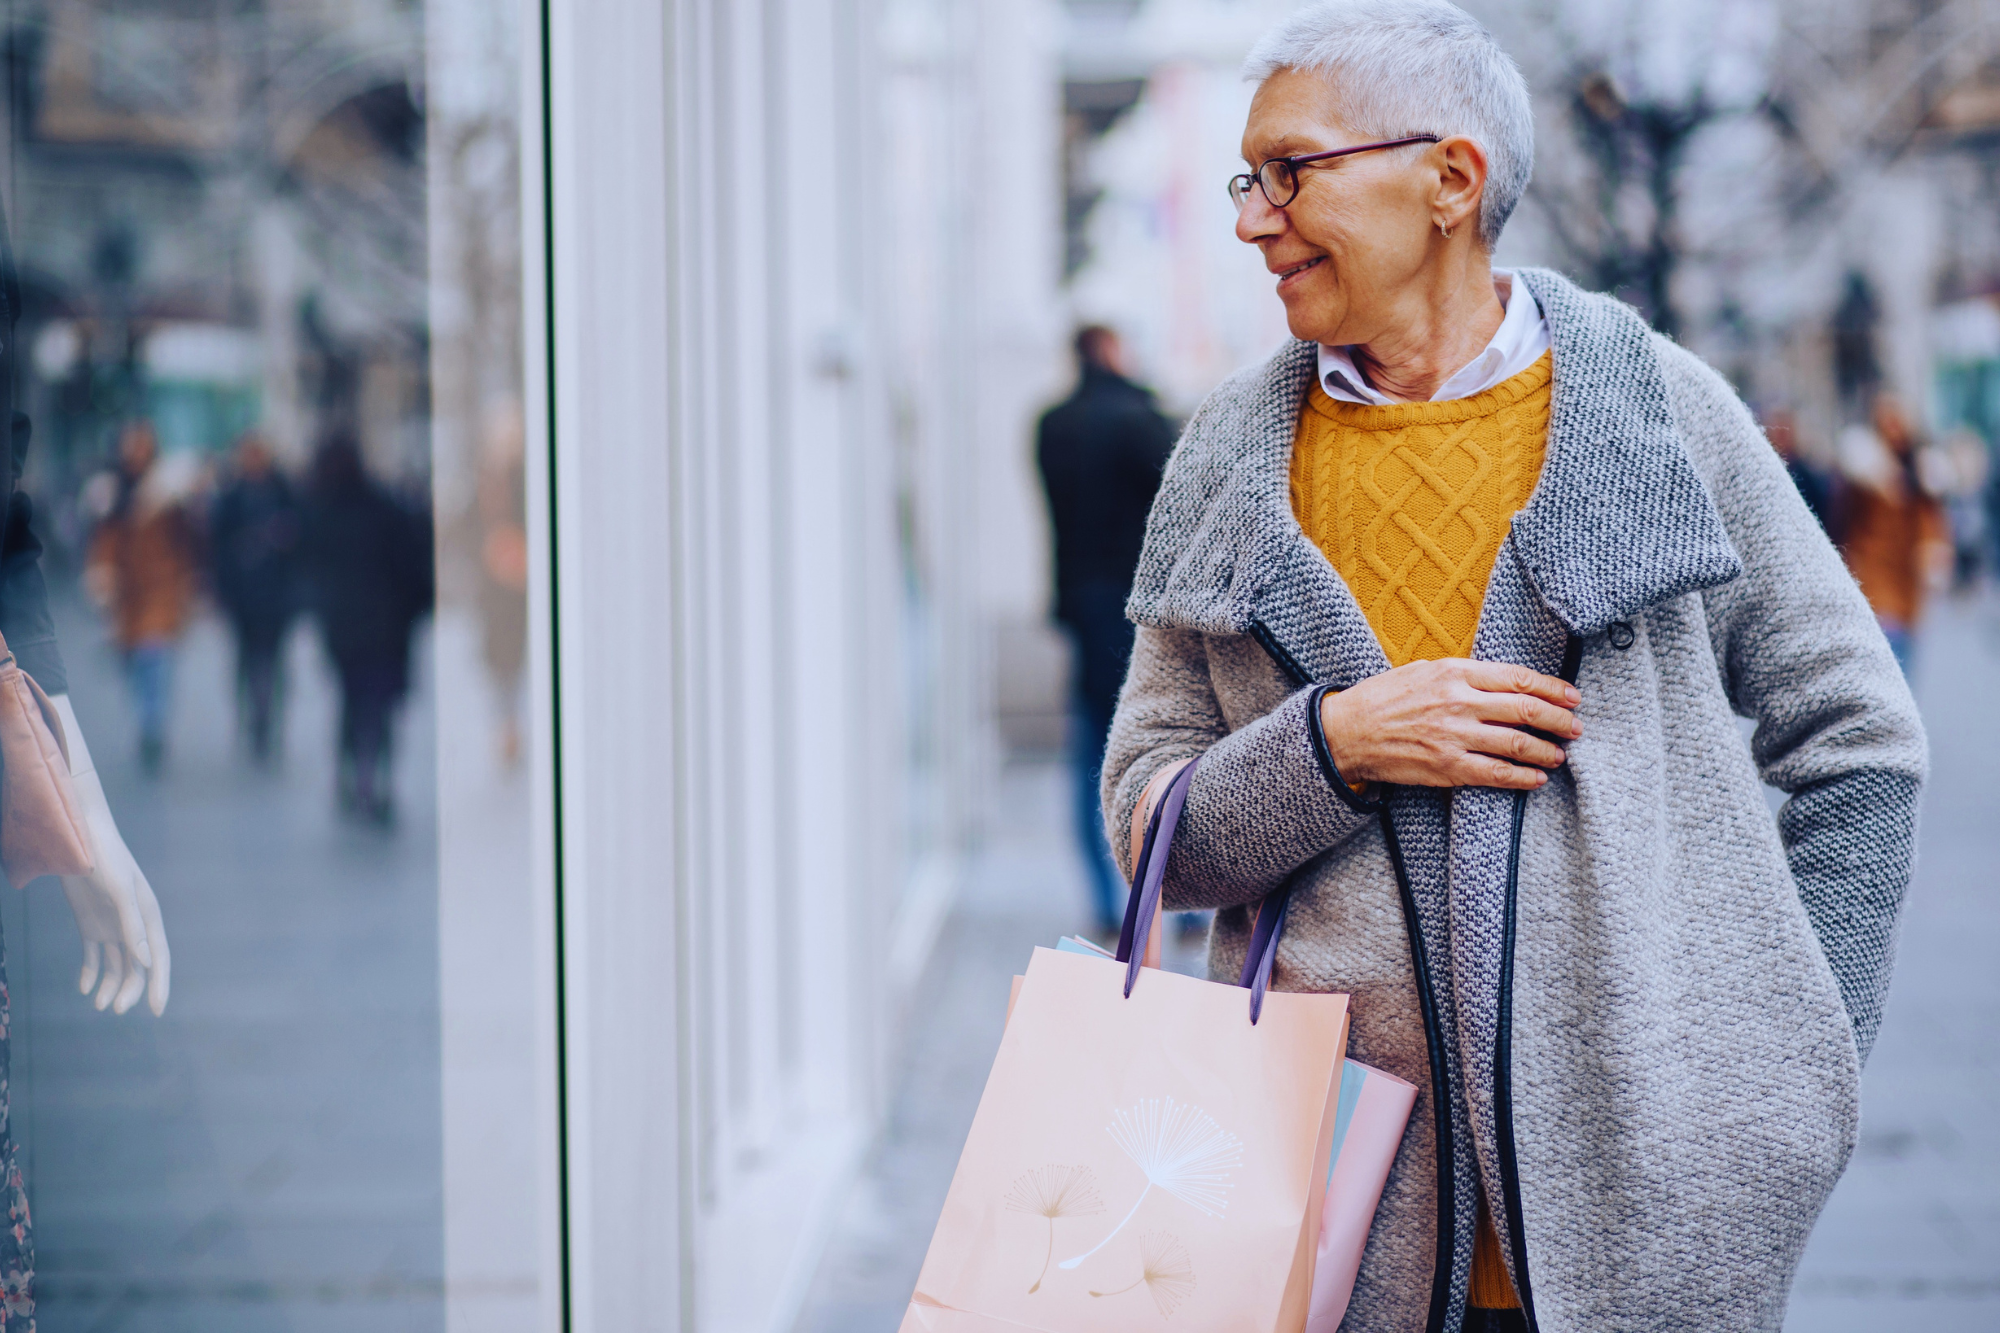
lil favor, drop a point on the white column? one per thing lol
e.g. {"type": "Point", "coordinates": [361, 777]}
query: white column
{"type": "Point", "coordinates": [621, 656]}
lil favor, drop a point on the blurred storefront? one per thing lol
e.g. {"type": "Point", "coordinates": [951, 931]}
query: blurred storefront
{"type": "Point", "coordinates": [612, 424]}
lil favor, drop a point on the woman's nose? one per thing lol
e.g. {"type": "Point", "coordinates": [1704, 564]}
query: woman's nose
{"type": "Point", "coordinates": [1257, 220]}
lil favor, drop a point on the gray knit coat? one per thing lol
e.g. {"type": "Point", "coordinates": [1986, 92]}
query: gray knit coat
{"type": "Point", "coordinates": [1636, 1004]}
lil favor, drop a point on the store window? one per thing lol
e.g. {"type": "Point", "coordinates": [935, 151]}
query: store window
{"type": "Point", "coordinates": [266, 365]}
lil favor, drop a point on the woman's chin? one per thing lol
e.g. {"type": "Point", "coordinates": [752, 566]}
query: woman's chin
{"type": "Point", "coordinates": [1309, 322]}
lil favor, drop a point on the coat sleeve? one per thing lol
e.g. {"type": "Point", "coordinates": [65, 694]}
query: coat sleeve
{"type": "Point", "coordinates": [1836, 727]}
{"type": "Point", "coordinates": [1266, 799]}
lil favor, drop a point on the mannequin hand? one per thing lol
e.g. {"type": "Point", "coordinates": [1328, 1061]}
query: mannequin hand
{"type": "Point", "coordinates": [1451, 723]}
{"type": "Point", "coordinates": [124, 943]}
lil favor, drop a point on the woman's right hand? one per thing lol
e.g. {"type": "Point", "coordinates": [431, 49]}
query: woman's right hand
{"type": "Point", "coordinates": [1451, 723]}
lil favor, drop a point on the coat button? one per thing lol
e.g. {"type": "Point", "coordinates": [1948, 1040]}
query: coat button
{"type": "Point", "coordinates": [1621, 635]}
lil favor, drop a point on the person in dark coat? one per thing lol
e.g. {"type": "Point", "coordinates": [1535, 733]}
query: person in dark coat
{"type": "Point", "coordinates": [255, 532]}
{"type": "Point", "coordinates": [368, 568]}
{"type": "Point", "coordinates": [1101, 452]}
{"type": "Point", "coordinates": [1816, 487]}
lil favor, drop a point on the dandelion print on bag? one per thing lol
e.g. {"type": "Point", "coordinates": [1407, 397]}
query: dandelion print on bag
{"type": "Point", "coordinates": [1051, 1192]}
{"type": "Point", "coordinates": [1166, 1270]}
{"type": "Point", "coordinates": [1182, 1151]}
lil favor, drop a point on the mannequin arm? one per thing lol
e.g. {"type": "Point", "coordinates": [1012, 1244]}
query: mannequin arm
{"type": "Point", "coordinates": [124, 944]}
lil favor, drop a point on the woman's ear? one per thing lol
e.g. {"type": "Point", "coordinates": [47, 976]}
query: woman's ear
{"type": "Point", "coordinates": [1461, 168]}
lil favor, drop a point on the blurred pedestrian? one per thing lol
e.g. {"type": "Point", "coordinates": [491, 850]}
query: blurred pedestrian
{"type": "Point", "coordinates": [368, 568]}
{"type": "Point", "coordinates": [255, 531]}
{"type": "Point", "coordinates": [1816, 487]}
{"type": "Point", "coordinates": [501, 513]}
{"type": "Point", "coordinates": [1894, 535]}
{"type": "Point", "coordinates": [1958, 471]}
{"type": "Point", "coordinates": [141, 568]}
{"type": "Point", "coordinates": [1101, 452]}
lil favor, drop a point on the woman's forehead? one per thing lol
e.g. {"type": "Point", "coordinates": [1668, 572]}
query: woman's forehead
{"type": "Point", "coordinates": [1292, 113]}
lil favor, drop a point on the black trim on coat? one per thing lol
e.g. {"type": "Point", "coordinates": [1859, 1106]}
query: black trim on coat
{"type": "Point", "coordinates": [1447, 1190]}
{"type": "Point", "coordinates": [1364, 805]}
{"type": "Point", "coordinates": [1572, 658]}
{"type": "Point", "coordinates": [1279, 654]}
{"type": "Point", "coordinates": [1503, 1052]}
{"type": "Point", "coordinates": [1503, 1077]}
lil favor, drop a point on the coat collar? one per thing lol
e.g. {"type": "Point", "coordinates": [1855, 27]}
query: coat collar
{"type": "Point", "coordinates": [1619, 521]}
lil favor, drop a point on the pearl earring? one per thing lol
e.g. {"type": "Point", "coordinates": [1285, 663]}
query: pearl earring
{"type": "Point", "coordinates": [1446, 231]}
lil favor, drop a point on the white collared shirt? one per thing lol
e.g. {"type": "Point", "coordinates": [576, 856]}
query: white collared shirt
{"type": "Point", "coordinates": [1522, 338]}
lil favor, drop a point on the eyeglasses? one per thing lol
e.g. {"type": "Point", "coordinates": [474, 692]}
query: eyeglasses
{"type": "Point", "coordinates": [1279, 177]}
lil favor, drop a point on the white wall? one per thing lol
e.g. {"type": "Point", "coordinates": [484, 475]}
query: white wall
{"type": "Point", "coordinates": [620, 637]}
{"type": "Point", "coordinates": [803, 269]}
{"type": "Point", "coordinates": [1022, 325]}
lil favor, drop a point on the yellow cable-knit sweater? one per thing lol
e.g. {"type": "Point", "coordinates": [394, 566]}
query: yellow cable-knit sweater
{"type": "Point", "coordinates": [1411, 502]}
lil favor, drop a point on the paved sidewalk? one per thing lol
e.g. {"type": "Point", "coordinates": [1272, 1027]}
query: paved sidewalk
{"type": "Point", "coordinates": [1025, 889]}
{"type": "Point", "coordinates": [1911, 1241]}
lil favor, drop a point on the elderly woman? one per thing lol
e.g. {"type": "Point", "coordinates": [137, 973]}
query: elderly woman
{"type": "Point", "coordinates": [1457, 600]}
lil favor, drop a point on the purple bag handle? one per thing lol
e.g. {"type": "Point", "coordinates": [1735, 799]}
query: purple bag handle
{"type": "Point", "coordinates": [1264, 946]}
{"type": "Point", "coordinates": [1143, 903]}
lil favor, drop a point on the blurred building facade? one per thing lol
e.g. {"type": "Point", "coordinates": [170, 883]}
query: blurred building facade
{"type": "Point", "coordinates": [1737, 171]}
{"type": "Point", "coordinates": [221, 223]}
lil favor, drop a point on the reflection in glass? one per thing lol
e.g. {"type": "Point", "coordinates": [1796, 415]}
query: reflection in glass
{"type": "Point", "coordinates": [269, 276]}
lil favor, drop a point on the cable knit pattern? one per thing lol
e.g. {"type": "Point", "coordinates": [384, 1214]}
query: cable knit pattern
{"type": "Point", "coordinates": [1694, 984]}
{"type": "Point", "coordinates": [1410, 502]}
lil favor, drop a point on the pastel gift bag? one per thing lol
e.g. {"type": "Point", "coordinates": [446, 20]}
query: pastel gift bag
{"type": "Point", "coordinates": [1374, 1111]}
{"type": "Point", "coordinates": [1368, 1128]}
{"type": "Point", "coordinates": [1151, 1151]}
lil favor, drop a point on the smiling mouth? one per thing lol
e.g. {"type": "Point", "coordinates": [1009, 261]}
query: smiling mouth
{"type": "Point", "coordinates": [1287, 274]}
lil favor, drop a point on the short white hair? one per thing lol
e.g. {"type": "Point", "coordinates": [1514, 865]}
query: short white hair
{"type": "Point", "coordinates": [1402, 67]}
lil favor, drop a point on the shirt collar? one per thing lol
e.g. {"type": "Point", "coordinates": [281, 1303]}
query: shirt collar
{"type": "Point", "coordinates": [1519, 342]}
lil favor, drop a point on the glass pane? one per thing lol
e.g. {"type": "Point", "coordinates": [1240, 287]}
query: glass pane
{"type": "Point", "coordinates": [270, 336]}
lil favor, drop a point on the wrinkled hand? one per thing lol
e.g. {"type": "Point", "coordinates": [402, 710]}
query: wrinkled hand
{"type": "Point", "coordinates": [124, 944]}
{"type": "Point", "coordinates": [1451, 723]}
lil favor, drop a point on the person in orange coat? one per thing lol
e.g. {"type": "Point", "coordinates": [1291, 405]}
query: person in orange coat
{"type": "Point", "coordinates": [1894, 535]}
{"type": "Point", "coordinates": [141, 570]}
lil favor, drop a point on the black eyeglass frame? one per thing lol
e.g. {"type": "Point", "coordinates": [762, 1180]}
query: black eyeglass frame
{"type": "Point", "coordinates": [1239, 185]}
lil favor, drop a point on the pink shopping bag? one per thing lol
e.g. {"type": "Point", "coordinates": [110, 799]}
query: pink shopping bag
{"type": "Point", "coordinates": [922, 1318]}
{"type": "Point", "coordinates": [1368, 1127]}
{"type": "Point", "coordinates": [1374, 1110]}
{"type": "Point", "coordinates": [1151, 1150]}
